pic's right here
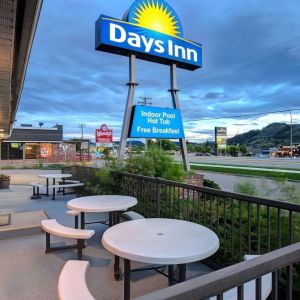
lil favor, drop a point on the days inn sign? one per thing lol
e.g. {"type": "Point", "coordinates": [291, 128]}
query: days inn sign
{"type": "Point", "coordinates": [152, 31]}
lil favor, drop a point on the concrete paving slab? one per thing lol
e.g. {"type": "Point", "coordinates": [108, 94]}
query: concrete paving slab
{"type": "Point", "coordinates": [27, 273]}
{"type": "Point", "coordinates": [26, 223]}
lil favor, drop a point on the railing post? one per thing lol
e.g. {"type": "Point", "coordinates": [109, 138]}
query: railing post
{"type": "Point", "coordinates": [157, 197]}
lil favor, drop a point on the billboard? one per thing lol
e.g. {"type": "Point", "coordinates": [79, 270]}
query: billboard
{"type": "Point", "coordinates": [104, 135]}
{"type": "Point", "coordinates": [221, 137]}
{"type": "Point", "coordinates": [156, 122]}
{"type": "Point", "coordinates": [152, 31]}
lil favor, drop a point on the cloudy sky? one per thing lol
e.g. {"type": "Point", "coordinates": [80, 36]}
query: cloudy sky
{"type": "Point", "coordinates": [251, 65]}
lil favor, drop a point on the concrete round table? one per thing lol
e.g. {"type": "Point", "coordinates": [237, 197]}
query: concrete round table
{"type": "Point", "coordinates": [53, 177]}
{"type": "Point", "coordinates": [160, 241]}
{"type": "Point", "coordinates": [102, 203]}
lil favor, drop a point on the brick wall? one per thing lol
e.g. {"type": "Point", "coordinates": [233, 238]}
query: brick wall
{"type": "Point", "coordinates": [196, 179]}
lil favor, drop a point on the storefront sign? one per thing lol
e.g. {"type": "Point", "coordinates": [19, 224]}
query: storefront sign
{"type": "Point", "coordinates": [45, 151]}
{"type": "Point", "coordinates": [221, 137]}
{"type": "Point", "coordinates": [156, 122]}
{"type": "Point", "coordinates": [152, 31]}
{"type": "Point", "coordinates": [84, 146]}
{"type": "Point", "coordinates": [104, 135]}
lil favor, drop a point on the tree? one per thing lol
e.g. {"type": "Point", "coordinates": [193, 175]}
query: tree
{"type": "Point", "coordinates": [243, 149]}
{"type": "Point", "coordinates": [155, 163]}
{"type": "Point", "coordinates": [167, 145]}
{"type": "Point", "coordinates": [232, 150]}
{"type": "Point", "coordinates": [199, 148]}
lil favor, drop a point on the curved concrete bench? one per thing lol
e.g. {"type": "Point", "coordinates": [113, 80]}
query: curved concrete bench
{"type": "Point", "coordinates": [131, 215]}
{"type": "Point", "coordinates": [68, 181]}
{"type": "Point", "coordinates": [63, 186]}
{"type": "Point", "coordinates": [36, 190]}
{"type": "Point", "coordinates": [249, 287]}
{"type": "Point", "coordinates": [74, 213]}
{"type": "Point", "coordinates": [52, 227]}
{"type": "Point", "coordinates": [72, 281]}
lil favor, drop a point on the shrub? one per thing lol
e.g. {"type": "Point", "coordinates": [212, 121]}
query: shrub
{"type": "Point", "coordinates": [53, 167]}
{"type": "Point", "coordinates": [8, 167]}
{"type": "Point", "coordinates": [211, 184]}
{"type": "Point", "coordinates": [155, 163]}
{"type": "Point", "coordinates": [246, 187]}
{"type": "Point", "coordinates": [102, 183]}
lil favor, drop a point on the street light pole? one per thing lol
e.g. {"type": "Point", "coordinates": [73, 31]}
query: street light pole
{"type": "Point", "coordinates": [291, 133]}
{"type": "Point", "coordinates": [81, 125]}
{"type": "Point", "coordinates": [291, 137]}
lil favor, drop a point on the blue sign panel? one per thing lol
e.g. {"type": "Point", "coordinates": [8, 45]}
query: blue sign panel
{"type": "Point", "coordinates": [156, 122]}
{"type": "Point", "coordinates": [123, 38]}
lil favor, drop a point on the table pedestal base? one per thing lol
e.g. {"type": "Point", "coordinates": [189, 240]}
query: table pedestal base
{"type": "Point", "coordinates": [128, 271]}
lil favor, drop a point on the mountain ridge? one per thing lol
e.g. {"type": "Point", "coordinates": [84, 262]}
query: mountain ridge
{"type": "Point", "coordinates": [274, 135]}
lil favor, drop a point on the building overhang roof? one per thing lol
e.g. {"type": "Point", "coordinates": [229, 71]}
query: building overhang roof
{"type": "Point", "coordinates": [18, 21]}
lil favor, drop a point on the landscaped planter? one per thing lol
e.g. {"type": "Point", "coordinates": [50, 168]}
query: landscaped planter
{"type": "Point", "coordinates": [4, 181]}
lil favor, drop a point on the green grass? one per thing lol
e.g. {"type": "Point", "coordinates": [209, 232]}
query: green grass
{"type": "Point", "coordinates": [258, 173]}
{"type": "Point", "coordinates": [247, 166]}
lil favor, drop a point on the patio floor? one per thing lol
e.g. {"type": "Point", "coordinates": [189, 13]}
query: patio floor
{"type": "Point", "coordinates": [26, 272]}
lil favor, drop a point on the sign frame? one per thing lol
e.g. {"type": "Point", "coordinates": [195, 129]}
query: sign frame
{"type": "Point", "coordinates": [103, 135]}
{"type": "Point", "coordinates": [155, 120]}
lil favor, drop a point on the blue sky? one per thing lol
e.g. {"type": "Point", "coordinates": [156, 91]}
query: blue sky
{"type": "Point", "coordinates": [251, 65]}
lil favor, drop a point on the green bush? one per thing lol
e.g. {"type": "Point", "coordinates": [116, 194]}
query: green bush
{"type": "Point", "coordinates": [102, 183]}
{"type": "Point", "coordinates": [246, 187]}
{"type": "Point", "coordinates": [52, 167]}
{"type": "Point", "coordinates": [155, 163]}
{"type": "Point", "coordinates": [211, 184]}
{"type": "Point", "coordinates": [8, 167]}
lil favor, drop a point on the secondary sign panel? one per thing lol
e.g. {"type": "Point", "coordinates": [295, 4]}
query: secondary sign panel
{"type": "Point", "coordinates": [156, 122]}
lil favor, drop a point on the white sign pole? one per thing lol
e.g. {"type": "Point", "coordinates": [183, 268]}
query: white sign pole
{"type": "Point", "coordinates": [174, 92]}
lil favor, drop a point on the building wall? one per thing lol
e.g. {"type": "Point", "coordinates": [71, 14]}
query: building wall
{"type": "Point", "coordinates": [56, 154]}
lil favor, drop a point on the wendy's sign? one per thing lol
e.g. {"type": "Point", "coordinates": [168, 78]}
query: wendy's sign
{"type": "Point", "coordinates": [104, 135]}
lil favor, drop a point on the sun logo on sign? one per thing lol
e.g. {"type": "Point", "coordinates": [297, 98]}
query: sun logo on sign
{"type": "Point", "coordinates": [156, 15]}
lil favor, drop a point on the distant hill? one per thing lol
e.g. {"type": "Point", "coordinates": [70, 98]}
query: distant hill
{"type": "Point", "coordinates": [273, 135]}
{"type": "Point", "coordinates": [132, 143]}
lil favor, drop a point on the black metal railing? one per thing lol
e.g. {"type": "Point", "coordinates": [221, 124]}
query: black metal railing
{"type": "Point", "coordinates": [263, 271]}
{"type": "Point", "coordinates": [244, 224]}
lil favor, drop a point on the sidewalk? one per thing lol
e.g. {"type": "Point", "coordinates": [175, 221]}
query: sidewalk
{"type": "Point", "coordinates": [28, 273]}
{"type": "Point", "coordinates": [25, 177]}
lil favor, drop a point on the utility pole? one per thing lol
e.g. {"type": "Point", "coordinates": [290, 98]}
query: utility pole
{"type": "Point", "coordinates": [81, 125]}
{"type": "Point", "coordinates": [145, 102]}
{"type": "Point", "coordinates": [291, 132]}
{"type": "Point", "coordinates": [291, 137]}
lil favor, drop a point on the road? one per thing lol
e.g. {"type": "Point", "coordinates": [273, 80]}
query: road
{"type": "Point", "coordinates": [284, 163]}
{"type": "Point", "coordinates": [265, 188]}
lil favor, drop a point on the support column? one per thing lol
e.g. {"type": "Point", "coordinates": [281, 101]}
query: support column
{"type": "Point", "coordinates": [174, 93]}
{"type": "Point", "coordinates": [128, 109]}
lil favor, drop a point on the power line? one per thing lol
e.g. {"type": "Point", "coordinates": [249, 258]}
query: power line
{"type": "Point", "coordinates": [242, 60]}
{"type": "Point", "coordinates": [145, 101]}
{"type": "Point", "coordinates": [249, 115]}
{"type": "Point", "coordinates": [82, 125]}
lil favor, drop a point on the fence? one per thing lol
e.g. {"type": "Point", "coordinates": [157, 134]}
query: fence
{"type": "Point", "coordinates": [244, 224]}
{"type": "Point", "coordinates": [218, 282]}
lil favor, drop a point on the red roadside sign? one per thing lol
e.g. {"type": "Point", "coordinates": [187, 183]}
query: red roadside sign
{"type": "Point", "coordinates": [104, 135]}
